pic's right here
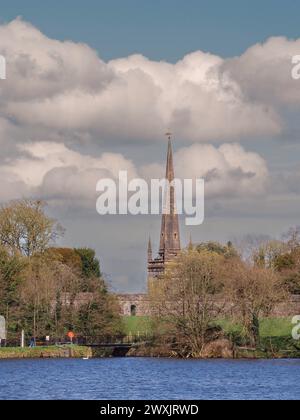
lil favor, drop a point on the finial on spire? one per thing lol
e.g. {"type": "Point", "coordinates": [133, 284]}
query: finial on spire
{"type": "Point", "coordinates": [169, 135]}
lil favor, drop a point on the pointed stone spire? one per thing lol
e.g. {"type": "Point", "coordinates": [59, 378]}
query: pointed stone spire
{"type": "Point", "coordinates": [170, 166]}
{"type": "Point", "coordinates": [170, 235]}
{"type": "Point", "coordinates": [149, 250]}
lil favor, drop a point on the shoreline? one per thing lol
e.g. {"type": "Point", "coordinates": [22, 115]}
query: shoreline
{"type": "Point", "coordinates": [81, 352]}
{"type": "Point", "coordinates": [51, 352]}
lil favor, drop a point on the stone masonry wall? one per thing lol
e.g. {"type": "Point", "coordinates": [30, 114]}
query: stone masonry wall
{"type": "Point", "coordinates": [141, 305]}
{"type": "Point", "coordinates": [288, 309]}
{"type": "Point", "coordinates": [138, 302]}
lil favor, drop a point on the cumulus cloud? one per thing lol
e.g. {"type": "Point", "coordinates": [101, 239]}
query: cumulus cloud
{"type": "Point", "coordinates": [54, 172]}
{"type": "Point", "coordinates": [39, 158]}
{"type": "Point", "coordinates": [200, 102]}
{"type": "Point", "coordinates": [264, 72]}
{"type": "Point", "coordinates": [61, 94]}
{"type": "Point", "coordinates": [64, 87]}
{"type": "Point", "coordinates": [12, 187]}
{"type": "Point", "coordinates": [228, 170]}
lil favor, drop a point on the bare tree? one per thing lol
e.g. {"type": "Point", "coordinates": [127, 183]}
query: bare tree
{"type": "Point", "coordinates": [248, 245]}
{"type": "Point", "coordinates": [253, 292]}
{"type": "Point", "coordinates": [186, 300]}
{"type": "Point", "coordinates": [268, 253]}
{"type": "Point", "coordinates": [292, 238]}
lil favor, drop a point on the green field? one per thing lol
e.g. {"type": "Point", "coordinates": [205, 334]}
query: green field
{"type": "Point", "coordinates": [269, 327]}
{"type": "Point", "coordinates": [137, 325]}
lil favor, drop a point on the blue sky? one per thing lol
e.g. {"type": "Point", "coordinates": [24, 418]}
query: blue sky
{"type": "Point", "coordinates": [160, 29]}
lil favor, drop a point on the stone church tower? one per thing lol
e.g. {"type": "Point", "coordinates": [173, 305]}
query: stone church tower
{"type": "Point", "coordinates": [139, 304]}
{"type": "Point", "coordinates": [169, 234]}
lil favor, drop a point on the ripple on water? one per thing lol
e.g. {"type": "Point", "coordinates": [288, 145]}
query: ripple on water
{"type": "Point", "coordinates": [113, 379]}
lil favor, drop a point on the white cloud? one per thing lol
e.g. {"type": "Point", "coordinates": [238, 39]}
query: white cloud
{"type": "Point", "coordinates": [264, 72]}
{"type": "Point", "coordinates": [54, 172]}
{"type": "Point", "coordinates": [64, 87]}
{"type": "Point", "coordinates": [228, 170]}
{"type": "Point", "coordinates": [198, 101]}
{"type": "Point", "coordinates": [61, 93]}
{"type": "Point", "coordinates": [12, 187]}
{"type": "Point", "coordinates": [40, 158]}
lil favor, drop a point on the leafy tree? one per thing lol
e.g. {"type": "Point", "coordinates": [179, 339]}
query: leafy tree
{"type": "Point", "coordinates": [90, 264]}
{"type": "Point", "coordinates": [99, 317]}
{"type": "Point", "coordinates": [228, 251]}
{"type": "Point", "coordinates": [25, 228]}
{"type": "Point", "coordinates": [69, 257]}
{"type": "Point", "coordinates": [11, 267]}
{"type": "Point", "coordinates": [48, 291]}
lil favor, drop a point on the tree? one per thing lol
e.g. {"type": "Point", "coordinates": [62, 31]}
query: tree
{"type": "Point", "coordinates": [69, 257]}
{"type": "Point", "coordinates": [253, 291]}
{"type": "Point", "coordinates": [10, 278]}
{"type": "Point", "coordinates": [187, 300]}
{"type": "Point", "coordinates": [25, 228]}
{"type": "Point", "coordinates": [248, 245]}
{"type": "Point", "coordinates": [99, 316]}
{"type": "Point", "coordinates": [90, 264]}
{"type": "Point", "coordinates": [47, 294]}
{"type": "Point", "coordinates": [288, 267]}
{"type": "Point", "coordinates": [11, 269]}
{"type": "Point", "coordinates": [44, 290]}
{"type": "Point", "coordinates": [227, 251]}
{"type": "Point", "coordinates": [283, 257]}
{"type": "Point", "coordinates": [292, 238]}
{"type": "Point", "coordinates": [268, 253]}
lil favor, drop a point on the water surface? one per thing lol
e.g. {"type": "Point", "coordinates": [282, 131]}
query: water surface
{"type": "Point", "coordinates": [129, 379]}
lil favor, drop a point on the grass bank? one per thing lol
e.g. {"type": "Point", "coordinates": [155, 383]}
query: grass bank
{"type": "Point", "coordinates": [45, 352]}
{"type": "Point", "coordinates": [272, 348]}
{"type": "Point", "coordinates": [59, 352]}
{"type": "Point", "coordinates": [275, 338]}
{"type": "Point", "coordinates": [269, 327]}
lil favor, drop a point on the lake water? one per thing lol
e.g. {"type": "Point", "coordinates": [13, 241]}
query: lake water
{"type": "Point", "coordinates": [129, 379]}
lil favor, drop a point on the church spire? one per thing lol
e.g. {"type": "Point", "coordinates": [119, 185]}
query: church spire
{"type": "Point", "coordinates": [169, 236]}
{"type": "Point", "coordinates": [170, 167]}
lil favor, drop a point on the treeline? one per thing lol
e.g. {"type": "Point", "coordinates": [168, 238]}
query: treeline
{"type": "Point", "coordinates": [210, 284]}
{"type": "Point", "coordinates": [48, 291]}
